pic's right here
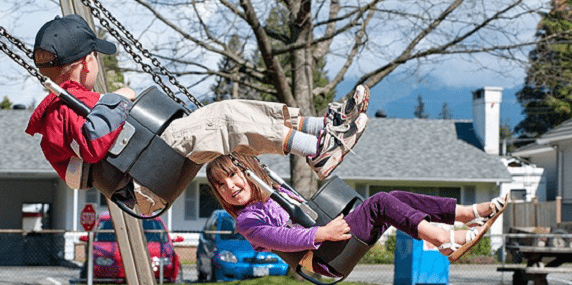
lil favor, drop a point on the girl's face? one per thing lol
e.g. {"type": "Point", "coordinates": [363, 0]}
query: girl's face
{"type": "Point", "coordinates": [235, 189]}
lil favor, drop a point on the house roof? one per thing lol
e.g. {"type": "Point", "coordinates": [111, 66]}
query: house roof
{"type": "Point", "coordinates": [19, 152]}
{"type": "Point", "coordinates": [532, 149]}
{"type": "Point", "coordinates": [413, 150]}
{"type": "Point", "coordinates": [559, 133]}
{"type": "Point", "coordinates": [422, 150]}
{"type": "Point", "coordinates": [390, 149]}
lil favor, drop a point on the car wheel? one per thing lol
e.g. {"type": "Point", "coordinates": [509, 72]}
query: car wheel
{"type": "Point", "coordinates": [179, 279]}
{"type": "Point", "coordinates": [213, 273]}
{"type": "Point", "coordinates": [201, 275]}
{"type": "Point", "coordinates": [204, 269]}
{"type": "Point", "coordinates": [83, 271]}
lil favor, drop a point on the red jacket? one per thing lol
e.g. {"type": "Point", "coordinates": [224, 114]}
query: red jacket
{"type": "Point", "coordinates": [65, 142]}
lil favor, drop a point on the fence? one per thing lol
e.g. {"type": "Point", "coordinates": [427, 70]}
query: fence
{"type": "Point", "coordinates": [530, 214]}
{"type": "Point", "coordinates": [56, 257]}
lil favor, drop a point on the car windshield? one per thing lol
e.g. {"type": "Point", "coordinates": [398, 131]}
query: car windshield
{"type": "Point", "coordinates": [154, 231]}
{"type": "Point", "coordinates": [229, 224]}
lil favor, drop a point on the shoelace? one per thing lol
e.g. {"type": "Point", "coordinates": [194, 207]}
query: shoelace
{"type": "Point", "coordinates": [343, 128]}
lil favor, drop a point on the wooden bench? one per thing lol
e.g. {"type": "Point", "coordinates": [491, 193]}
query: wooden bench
{"type": "Point", "coordinates": [522, 275]}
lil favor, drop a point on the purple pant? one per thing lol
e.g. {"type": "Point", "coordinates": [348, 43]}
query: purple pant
{"type": "Point", "coordinates": [403, 210]}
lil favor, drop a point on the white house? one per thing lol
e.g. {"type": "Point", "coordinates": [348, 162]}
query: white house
{"type": "Point", "coordinates": [553, 152]}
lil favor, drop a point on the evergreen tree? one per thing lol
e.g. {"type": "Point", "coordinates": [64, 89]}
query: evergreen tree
{"type": "Point", "coordinates": [420, 109]}
{"type": "Point", "coordinates": [446, 113]}
{"type": "Point", "coordinates": [546, 97]}
{"type": "Point", "coordinates": [5, 104]}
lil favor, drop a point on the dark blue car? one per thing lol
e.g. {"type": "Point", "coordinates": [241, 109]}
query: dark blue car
{"type": "Point", "coordinates": [225, 255]}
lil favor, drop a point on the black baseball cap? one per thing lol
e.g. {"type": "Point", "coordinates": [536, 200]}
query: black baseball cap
{"type": "Point", "coordinates": [69, 38]}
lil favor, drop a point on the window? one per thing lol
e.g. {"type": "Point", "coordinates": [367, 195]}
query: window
{"type": "Point", "coordinates": [450, 192]}
{"type": "Point", "coordinates": [102, 200]}
{"type": "Point", "coordinates": [361, 189]}
{"type": "Point", "coordinates": [191, 203]}
{"type": "Point", "coordinates": [419, 190]}
{"type": "Point", "coordinates": [469, 196]}
{"type": "Point", "coordinates": [207, 201]}
{"type": "Point", "coordinates": [518, 194]}
{"type": "Point", "coordinates": [91, 196]}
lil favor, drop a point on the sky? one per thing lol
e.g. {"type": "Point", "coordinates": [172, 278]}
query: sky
{"type": "Point", "coordinates": [451, 81]}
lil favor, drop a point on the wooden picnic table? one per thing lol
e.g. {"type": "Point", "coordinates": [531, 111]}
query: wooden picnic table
{"type": "Point", "coordinates": [539, 262]}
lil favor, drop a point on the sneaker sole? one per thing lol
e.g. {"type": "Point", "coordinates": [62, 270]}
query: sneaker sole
{"type": "Point", "coordinates": [358, 136]}
{"type": "Point", "coordinates": [366, 101]}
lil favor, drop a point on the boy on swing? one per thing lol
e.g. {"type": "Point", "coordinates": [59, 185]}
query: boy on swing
{"type": "Point", "coordinates": [66, 49]}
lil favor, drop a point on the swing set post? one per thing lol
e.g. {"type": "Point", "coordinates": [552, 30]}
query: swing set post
{"type": "Point", "coordinates": [129, 232]}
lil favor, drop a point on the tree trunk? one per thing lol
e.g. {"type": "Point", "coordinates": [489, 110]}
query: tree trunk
{"type": "Point", "coordinates": [303, 178]}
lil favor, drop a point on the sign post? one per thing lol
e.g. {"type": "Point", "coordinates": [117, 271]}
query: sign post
{"type": "Point", "coordinates": [87, 219]}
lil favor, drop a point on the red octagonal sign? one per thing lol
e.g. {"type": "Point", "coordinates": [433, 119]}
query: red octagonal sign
{"type": "Point", "coordinates": [87, 217]}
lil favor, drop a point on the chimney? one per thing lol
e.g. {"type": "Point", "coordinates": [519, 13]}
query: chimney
{"type": "Point", "coordinates": [486, 117]}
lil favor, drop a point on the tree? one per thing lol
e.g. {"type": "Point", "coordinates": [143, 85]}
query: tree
{"type": "Point", "coordinates": [546, 97]}
{"type": "Point", "coordinates": [351, 33]}
{"type": "Point", "coordinates": [420, 109]}
{"type": "Point", "coordinates": [372, 38]}
{"type": "Point", "coordinates": [446, 113]}
{"type": "Point", "coordinates": [6, 104]}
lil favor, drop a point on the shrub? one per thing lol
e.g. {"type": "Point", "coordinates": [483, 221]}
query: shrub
{"type": "Point", "coordinates": [380, 254]}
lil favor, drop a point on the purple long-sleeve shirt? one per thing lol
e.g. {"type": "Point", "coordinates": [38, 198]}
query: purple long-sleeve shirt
{"type": "Point", "coordinates": [265, 226]}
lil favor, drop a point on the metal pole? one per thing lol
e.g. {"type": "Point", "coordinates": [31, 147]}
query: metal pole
{"type": "Point", "coordinates": [129, 232]}
{"type": "Point", "coordinates": [75, 210]}
{"type": "Point", "coordinates": [90, 258]}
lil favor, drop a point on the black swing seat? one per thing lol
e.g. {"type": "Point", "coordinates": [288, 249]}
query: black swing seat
{"type": "Point", "coordinates": [141, 154]}
{"type": "Point", "coordinates": [335, 197]}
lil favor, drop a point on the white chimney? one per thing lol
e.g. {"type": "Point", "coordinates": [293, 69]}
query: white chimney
{"type": "Point", "coordinates": [486, 117]}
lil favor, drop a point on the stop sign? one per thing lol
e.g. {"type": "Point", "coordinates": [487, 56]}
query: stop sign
{"type": "Point", "coordinates": [87, 217]}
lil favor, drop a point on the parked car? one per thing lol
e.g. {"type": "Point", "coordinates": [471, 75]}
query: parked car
{"type": "Point", "coordinates": [107, 263]}
{"type": "Point", "coordinates": [229, 256]}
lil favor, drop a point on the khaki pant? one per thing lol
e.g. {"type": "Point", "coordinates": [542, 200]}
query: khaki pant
{"type": "Point", "coordinates": [246, 126]}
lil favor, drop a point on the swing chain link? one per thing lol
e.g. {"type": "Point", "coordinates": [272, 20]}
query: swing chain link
{"type": "Point", "coordinates": [97, 11]}
{"type": "Point", "coordinates": [17, 58]}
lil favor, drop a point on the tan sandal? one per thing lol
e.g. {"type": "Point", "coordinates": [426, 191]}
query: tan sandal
{"type": "Point", "coordinates": [470, 236]}
{"type": "Point", "coordinates": [487, 225]}
{"type": "Point", "coordinates": [498, 205]}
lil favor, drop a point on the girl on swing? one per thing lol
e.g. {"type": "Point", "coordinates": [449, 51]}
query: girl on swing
{"type": "Point", "coordinates": [265, 224]}
{"type": "Point", "coordinates": [66, 49]}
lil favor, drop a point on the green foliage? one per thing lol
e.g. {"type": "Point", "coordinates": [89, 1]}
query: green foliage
{"type": "Point", "coordinates": [381, 254]}
{"type": "Point", "coordinates": [546, 97]}
{"type": "Point", "coordinates": [114, 76]}
{"type": "Point", "coordinates": [446, 113]}
{"type": "Point", "coordinates": [420, 109]}
{"type": "Point", "coordinates": [480, 254]}
{"type": "Point", "coordinates": [5, 104]}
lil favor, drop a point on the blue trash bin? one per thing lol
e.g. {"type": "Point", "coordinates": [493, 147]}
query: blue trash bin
{"type": "Point", "coordinates": [418, 262]}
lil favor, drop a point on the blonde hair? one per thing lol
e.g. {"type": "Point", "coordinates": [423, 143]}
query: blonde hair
{"type": "Point", "coordinates": [223, 166]}
{"type": "Point", "coordinates": [56, 73]}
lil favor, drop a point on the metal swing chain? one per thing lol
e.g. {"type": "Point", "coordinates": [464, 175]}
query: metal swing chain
{"type": "Point", "coordinates": [17, 58]}
{"type": "Point", "coordinates": [96, 12]}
